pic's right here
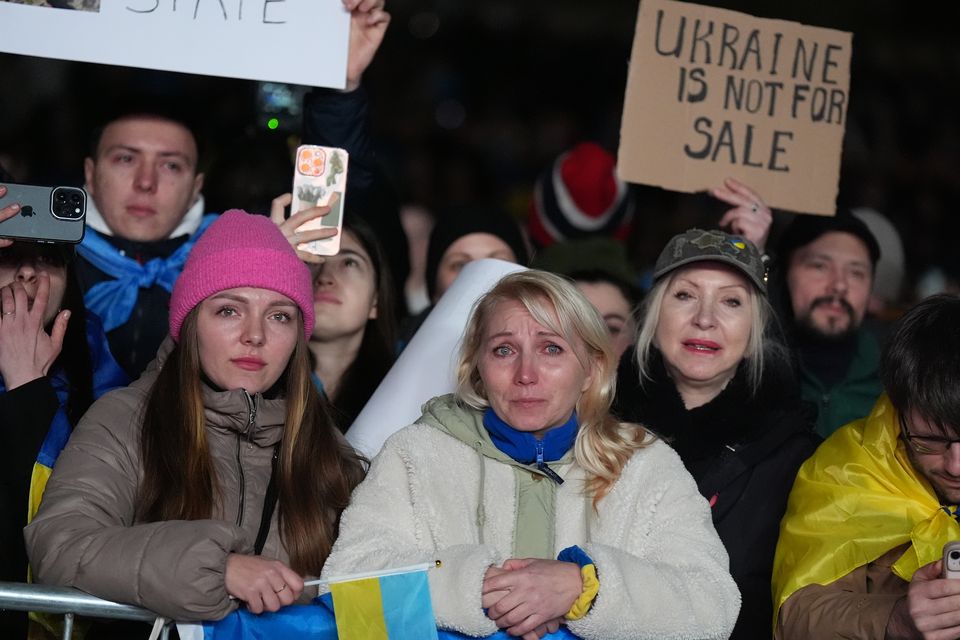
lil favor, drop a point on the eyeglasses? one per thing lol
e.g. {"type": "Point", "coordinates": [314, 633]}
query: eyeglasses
{"type": "Point", "coordinates": [926, 445]}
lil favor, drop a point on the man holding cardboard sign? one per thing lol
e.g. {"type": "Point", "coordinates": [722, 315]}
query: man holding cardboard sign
{"type": "Point", "coordinates": [713, 93]}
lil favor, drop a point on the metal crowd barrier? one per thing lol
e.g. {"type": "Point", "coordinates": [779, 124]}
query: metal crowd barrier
{"type": "Point", "coordinates": [17, 596]}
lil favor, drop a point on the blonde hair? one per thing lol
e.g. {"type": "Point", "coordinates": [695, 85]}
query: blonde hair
{"type": "Point", "coordinates": [603, 445]}
{"type": "Point", "coordinates": [761, 322]}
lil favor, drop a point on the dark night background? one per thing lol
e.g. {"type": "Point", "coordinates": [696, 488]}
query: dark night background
{"type": "Point", "coordinates": [472, 100]}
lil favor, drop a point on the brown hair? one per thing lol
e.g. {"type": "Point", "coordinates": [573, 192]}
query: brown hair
{"type": "Point", "coordinates": [376, 353]}
{"type": "Point", "coordinates": [316, 468]}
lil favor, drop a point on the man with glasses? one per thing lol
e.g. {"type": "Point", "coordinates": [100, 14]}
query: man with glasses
{"type": "Point", "coordinates": [861, 543]}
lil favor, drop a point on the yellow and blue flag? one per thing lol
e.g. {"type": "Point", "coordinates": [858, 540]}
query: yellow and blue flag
{"type": "Point", "coordinates": [385, 605]}
{"type": "Point", "coordinates": [392, 605]}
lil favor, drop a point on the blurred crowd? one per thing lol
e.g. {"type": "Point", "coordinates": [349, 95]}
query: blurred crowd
{"type": "Point", "coordinates": [686, 405]}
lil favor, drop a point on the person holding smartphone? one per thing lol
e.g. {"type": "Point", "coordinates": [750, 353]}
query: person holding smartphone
{"type": "Point", "coordinates": [860, 549]}
{"type": "Point", "coordinates": [146, 210]}
{"type": "Point", "coordinates": [54, 362]}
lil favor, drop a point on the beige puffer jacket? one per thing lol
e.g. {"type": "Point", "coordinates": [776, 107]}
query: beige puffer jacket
{"type": "Point", "coordinates": [85, 534]}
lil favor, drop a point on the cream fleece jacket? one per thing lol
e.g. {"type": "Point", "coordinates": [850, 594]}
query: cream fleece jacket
{"type": "Point", "coordinates": [662, 569]}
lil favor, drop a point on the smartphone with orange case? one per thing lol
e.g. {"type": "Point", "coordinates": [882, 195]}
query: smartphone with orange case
{"type": "Point", "coordinates": [320, 179]}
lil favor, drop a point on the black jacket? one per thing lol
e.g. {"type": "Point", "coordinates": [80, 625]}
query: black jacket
{"type": "Point", "coordinates": [337, 119]}
{"type": "Point", "coordinates": [744, 451]}
{"type": "Point", "coordinates": [25, 415]}
{"type": "Point", "coordinates": [134, 344]}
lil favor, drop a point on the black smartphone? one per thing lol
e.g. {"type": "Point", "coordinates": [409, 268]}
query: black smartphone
{"type": "Point", "coordinates": [47, 214]}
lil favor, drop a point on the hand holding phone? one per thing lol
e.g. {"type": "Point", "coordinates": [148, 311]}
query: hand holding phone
{"type": "Point", "coordinates": [320, 179]}
{"type": "Point", "coordinates": [951, 560]}
{"type": "Point", "coordinates": [6, 213]}
{"type": "Point", "coordinates": [291, 226]}
{"type": "Point", "coordinates": [44, 214]}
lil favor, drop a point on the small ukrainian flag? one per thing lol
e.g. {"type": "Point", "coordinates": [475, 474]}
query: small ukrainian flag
{"type": "Point", "coordinates": [384, 605]}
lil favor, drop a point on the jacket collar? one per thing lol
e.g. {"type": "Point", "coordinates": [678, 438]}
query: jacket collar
{"type": "Point", "coordinates": [524, 447]}
{"type": "Point", "coordinates": [734, 418]}
{"type": "Point", "coordinates": [454, 417]}
{"type": "Point", "coordinates": [259, 419]}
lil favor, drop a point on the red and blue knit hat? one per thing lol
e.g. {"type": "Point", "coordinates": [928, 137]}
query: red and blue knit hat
{"type": "Point", "coordinates": [241, 250]}
{"type": "Point", "coordinates": [580, 195]}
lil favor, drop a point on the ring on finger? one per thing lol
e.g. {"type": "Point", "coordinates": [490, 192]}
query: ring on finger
{"type": "Point", "coordinates": [280, 589]}
{"type": "Point", "coordinates": [9, 313]}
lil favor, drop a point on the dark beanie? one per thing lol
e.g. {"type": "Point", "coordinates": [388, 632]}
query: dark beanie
{"type": "Point", "coordinates": [462, 222]}
{"type": "Point", "coordinates": [806, 228]}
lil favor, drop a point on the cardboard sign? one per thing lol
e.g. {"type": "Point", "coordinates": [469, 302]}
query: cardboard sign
{"type": "Point", "coordinates": [296, 41]}
{"type": "Point", "coordinates": [714, 93]}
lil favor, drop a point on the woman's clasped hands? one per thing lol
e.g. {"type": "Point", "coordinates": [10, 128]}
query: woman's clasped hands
{"type": "Point", "coordinates": [529, 597]}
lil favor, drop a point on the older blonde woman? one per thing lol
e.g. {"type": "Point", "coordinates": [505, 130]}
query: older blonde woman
{"type": "Point", "coordinates": [542, 508]}
{"type": "Point", "coordinates": [710, 376]}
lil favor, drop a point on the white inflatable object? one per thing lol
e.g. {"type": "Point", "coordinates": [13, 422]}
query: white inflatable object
{"type": "Point", "coordinates": [426, 367]}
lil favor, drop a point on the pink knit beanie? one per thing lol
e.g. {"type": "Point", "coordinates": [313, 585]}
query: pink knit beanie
{"type": "Point", "coordinates": [241, 250]}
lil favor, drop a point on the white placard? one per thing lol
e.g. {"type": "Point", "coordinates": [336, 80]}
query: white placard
{"type": "Point", "coordinates": [296, 41]}
{"type": "Point", "coordinates": [426, 368]}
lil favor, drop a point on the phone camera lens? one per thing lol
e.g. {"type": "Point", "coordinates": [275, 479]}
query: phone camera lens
{"type": "Point", "coordinates": [67, 204]}
{"type": "Point", "coordinates": [955, 555]}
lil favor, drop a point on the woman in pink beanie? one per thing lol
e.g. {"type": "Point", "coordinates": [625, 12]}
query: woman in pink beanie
{"type": "Point", "coordinates": [218, 476]}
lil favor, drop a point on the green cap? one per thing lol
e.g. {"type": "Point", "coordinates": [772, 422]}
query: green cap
{"type": "Point", "coordinates": [699, 245]}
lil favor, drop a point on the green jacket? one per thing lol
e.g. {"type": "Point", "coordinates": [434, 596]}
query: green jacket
{"type": "Point", "coordinates": [854, 396]}
{"type": "Point", "coordinates": [535, 491]}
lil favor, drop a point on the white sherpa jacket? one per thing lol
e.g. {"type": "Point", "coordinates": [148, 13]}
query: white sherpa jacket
{"type": "Point", "coordinates": [662, 569]}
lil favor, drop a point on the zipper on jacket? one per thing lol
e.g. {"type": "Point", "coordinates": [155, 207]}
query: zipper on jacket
{"type": "Point", "coordinates": [542, 466]}
{"type": "Point", "coordinates": [240, 473]}
{"type": "Point", "coordinates": [251, 421]}
{"type": "Point", "coordinates": [251, 415]}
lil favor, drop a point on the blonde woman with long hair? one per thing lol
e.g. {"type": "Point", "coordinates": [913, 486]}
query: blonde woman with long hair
{"type": "Point", "coordinates": [218, 478]}
{"type": "Point", "coordinates": [709, 375]}
{"type": "Point", "coordinates": [541, 508]}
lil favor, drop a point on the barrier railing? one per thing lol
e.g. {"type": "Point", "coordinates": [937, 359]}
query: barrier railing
{"type": "Point", "coordinates": [16, 596]}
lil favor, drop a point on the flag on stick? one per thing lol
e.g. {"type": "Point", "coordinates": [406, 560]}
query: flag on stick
{"type": "Point", "coordinates": [384, 605]}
